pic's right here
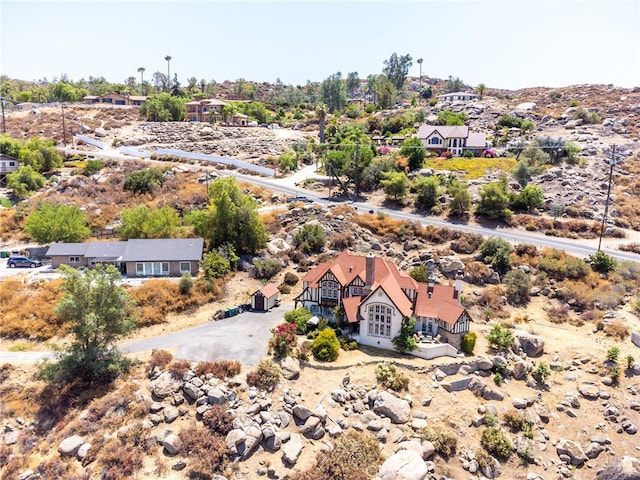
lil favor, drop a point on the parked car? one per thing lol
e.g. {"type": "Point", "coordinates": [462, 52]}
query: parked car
{"type": "Point", "coordinates": [299, 198]}
{"type": "Point", "coordinates": [14, 262]}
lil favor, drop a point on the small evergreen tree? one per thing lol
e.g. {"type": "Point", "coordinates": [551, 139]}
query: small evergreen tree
{"type": "Point", "coordinates": [404, 341]}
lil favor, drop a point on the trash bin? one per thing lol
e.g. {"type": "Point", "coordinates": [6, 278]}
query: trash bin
{"type": "Point", "coordinates": [4, 254]}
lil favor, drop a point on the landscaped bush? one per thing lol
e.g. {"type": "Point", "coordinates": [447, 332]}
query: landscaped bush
{"type": "Point", "coordinates": [443, 441]}
{"type": "Point", "coordinates": [220, 368]}
{"type": "Point", "coordinates": [299, 318]}
{"type": "Point", "coordinates": [348, 344]}
{"type": "Point", "coordinates": [283, 339]}
{"type": "Point", "coordinates": [265, 377]}
{"type": "Point", "coordinates": [326, 346]}
{"type": "Point", "coordinates": [495, 441]}
{"type": "Point", "coordinates": [468, 342]}
{"type": "Point", "coordinates": [389, 377]}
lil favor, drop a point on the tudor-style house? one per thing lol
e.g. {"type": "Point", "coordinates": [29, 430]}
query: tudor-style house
{"type": "Point", "coordinates": [376, 296]}
{"type": "Point", "coordinates": [456, 140]}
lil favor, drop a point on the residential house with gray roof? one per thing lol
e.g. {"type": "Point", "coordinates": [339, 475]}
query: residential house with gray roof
{"type": "Point", "coordinates": [135, 257]}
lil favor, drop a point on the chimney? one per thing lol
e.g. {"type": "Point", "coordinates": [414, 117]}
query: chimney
{"type": "Point", "coordinates": [431, 284]}
{"type": "Point", "coordinates": [457, 290]}
{"type": "Point", "coordinates": [369, 273]}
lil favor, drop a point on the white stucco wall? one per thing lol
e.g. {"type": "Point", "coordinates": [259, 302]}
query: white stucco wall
{"type": "Point", "coordinates": [378, 297]}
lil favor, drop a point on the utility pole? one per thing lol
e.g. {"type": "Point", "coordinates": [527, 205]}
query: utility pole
{"type": "Point", "coordinates": [64, 130]}
{"type": "Point", "coordinates": [4, 125]}
{"type": "Point", "coordinates": [356, 188]}
{"type": "Point", "coordinates": [612, 162]}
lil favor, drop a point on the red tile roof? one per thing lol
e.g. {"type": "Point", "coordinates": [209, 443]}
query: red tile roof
{"type": "Point", "coordinates": [269, 290]}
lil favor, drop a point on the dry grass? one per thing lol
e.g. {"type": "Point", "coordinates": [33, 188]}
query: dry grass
{"type": "Point", "coordinates": [473, 168]}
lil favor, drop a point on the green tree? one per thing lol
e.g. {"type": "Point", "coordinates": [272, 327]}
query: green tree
{"type": "Point", "coordinates": [214, 265]}
{"type": "Point", "coordinates": [321, 113]}
{"type": "Point", "coordinates": [602, 263]}
{"type": "Point", "coordinates": [414, 151]}
{"type": "Point", "coordinates": [310, 238]}
{"type": "Point", "coordinates": [453, 85]}
{"type": "Point", "coordinates": [334, 92]}
{"type": "Point", "coordinates": [163, 107]}
{"type": "Point", "coordinates": [231, 217]}
{"type": "Point", "coordinates": [386, 93]}
{"type": "Point", "coordinates": [427, 191]}
{"type": "Point", "coordinates": [494, 201]}
{"type": "Point", "coordinates": [447, 117]}
{"type": "Point", "coordinates": [496, 251]}
{"type": "Point", "coordinates": [25, 181]}
{"type": "Point", "coordinates": [99, 312]}
{"type": "Point", "coordinates": [299, 318]}
{"type": "Point", "coordinates": [404, 341]}
{"type": "Point", "coordinates": [426, 92]}
{"type": "Point", "coordinates": [57, 223]}
{"type": "Point", "coordinates": [395, 184]}
{"type": "Point", "coordinates": [353, 83]}
{"type": "Point", "coordinates": [396, 69]}
{"type": "Point", "coordinates": [142, 222]}
{"type": "Point", "coordinates": [460, 202]}
{"type": "Point", "coordinates": [326, 345]}
{"type": "Point", "coordinates": [518, 286]}
{"type": "Point", "coordinates": [529, 198]}
{"type": "Point", "coordinates": [481, 89]}
{"type": "Point", "coordinates": [420, 273]}
{"type": "Point", "coordinates": [143, 181]}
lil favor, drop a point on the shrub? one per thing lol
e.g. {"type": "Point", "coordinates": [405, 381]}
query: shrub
{"type": "Point", "coordinates": [558, 314]}
{"type": "Point", "coordinates": [617, 329]}
{"type": "Point", "coordinates": [496, 251]}
{"type": "Point", "coordinates": [468, 342]}
{"type": "Point", "coordinates": [207, 451]}
{"type": "Point", "coordinates": [348, 344]}
{"type": "Point", "coordinates": [500, 337]}
{"type": "Point", "coordinates": [602, 263]}
{"type": "Point", "coordinates": [614, 373]}
{"type": "Point", "coordinates": [443, 441]}
{"type": "Point", "coordinates": [303, 351]}
{"type": "Point", "coordinates": [630, 361]}
{"type": "Point", "coordinates": [290, 279]}
{"type": "Point", "coordinates": [495, 441]}
{"type": "Point", "coordinates": [389, 377]}
{"type": "Point", "coordinates": [186, 283]}
{"type": "Point", "coordinates": [310, 238]}
{"type": "Point", "coordinates": [159, 358]}
{"type": "Point", "coordinates": [265, 268]}
{"type": "Point", "coordinates": [404, 341]}
{"type": "Point", "coordinates": [299, 318]}
{"type": "Point", "coordinates": [91, 167]}
{"type": "Point", "coordinates": [613, 353]}
{"type": "Point", "coordinates": [326, 346]}
{"type": "Point", "coordinates": [143, 181]}
{"type": "Point", "coordinates": [498, 378]}
{"type": "Point", "coordinates": [266, 376]}
{"type": "Point", "coordinates": [514, 420]}
{"type": "Point", "coordinates": [218, 419]}
{"type": "Point", "coordinates": [179, 368]}
{"type": "Point", "coordinates": [283, 339]}
{"type": "Point", "coordinates": [541, 373]}
{"type": "Point", "coordinates": [518, 286]}
{"type": "Point", "coordinates": [558, 265]}
{"type": "Point", "coordinates": [220, 368]}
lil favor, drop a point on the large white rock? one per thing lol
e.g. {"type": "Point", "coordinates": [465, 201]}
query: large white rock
{"type": "Point", "coordinates": [397, 409]}
{"type": "Point", "coordinates": [70, 445]}
{"type": "Point", "coordinates": [403, 465]}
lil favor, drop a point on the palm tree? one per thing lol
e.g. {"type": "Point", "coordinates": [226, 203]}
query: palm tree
{"type": "Point", "coordinates": [321, 112]}
{"type": "Point", "coordinates": [481, 89]}
{"type": "Point", "coordinates": [141, 72]}
{"type": "Point", "coordinates": [168, 59]}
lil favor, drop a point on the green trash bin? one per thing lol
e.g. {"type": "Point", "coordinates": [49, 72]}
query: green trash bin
{"type": "Point", "coordinates": [4, 254]}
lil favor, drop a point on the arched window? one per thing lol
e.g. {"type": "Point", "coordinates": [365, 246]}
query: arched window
{"type": "Point", "coordinates": [379, 320]}
{"type": "Point", "coordinates": [329, 289]}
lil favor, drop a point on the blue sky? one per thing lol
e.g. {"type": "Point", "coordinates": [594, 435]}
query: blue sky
{"type": "Point", "coordinates": [503, 44]}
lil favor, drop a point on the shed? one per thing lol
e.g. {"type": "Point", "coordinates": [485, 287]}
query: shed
{"type": "Point", "coordinates": [265, 298]}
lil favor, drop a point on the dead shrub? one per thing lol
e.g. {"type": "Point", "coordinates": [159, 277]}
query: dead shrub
{"type": "Point", "coordinates": [119, 460]}
{"type": "Point", "coordinates": [159, 358]}
{"type": "Point", "coordinates": [617, 330]}
{"type": "Point", "coordinates": [206, 451]}
{"type": "Point", "coordinates": [220, 369]}
{"type": "Point", "coordinates": [475, 272]}
{"type": "Point", "coordinates": [558, 314]}
{"type": "Point", "coordinates": [630, 247]}
{"type": "Point", "coordinates": [341, 241]}
{"type": "Point", "coordinates": [467, 243]}
{"type": "Point", "coordinates": [290, 279]}
{"type": "Point", "coordinates": [178, 368]}
{"type": "Point", "coordinates": [218, 420]}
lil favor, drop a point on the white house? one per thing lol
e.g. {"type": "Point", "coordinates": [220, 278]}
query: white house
{"type": "Point", "coordinates": [456, 140]}
{"type": "Point", "coordinates": [457, 97]}
{"type": "Point", "coordinates": [8, 165]}
{"type": "Point", "coordinates": [376, 296]}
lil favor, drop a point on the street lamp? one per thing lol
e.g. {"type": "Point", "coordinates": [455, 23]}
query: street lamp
{"type": "Point", "coordinates": [612, 162]}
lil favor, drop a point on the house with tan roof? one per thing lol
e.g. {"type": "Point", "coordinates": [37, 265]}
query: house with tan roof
{"type": "Point", "coordinates": [457, 140]}
{"type": "Point", "coordinates": [204, 109]}
{"type": "Point", "coordinates": [375, 296]}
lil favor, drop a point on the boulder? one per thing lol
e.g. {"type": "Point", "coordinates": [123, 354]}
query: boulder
{"type": "Point", "coordinates": [532, 345]}
{"type": "Point", "coordinates": [395, 408]}
{"type": "Point", "coordinates": [235, 438]}
{"type": "Point", "coordinates": [70, 445]}
{"type": "Point", "coordinates": [627, 468]}
{"type": "Point", "coordinates": [172, 444]}
{"type": "Point", "coordinates": [165, 385]}
{"type": "Point", "coordinates": [100, 132]}
{"type": "Point", "coordinates": [290, 368]}
{"type": "Point", "coordinates": [574, 452]}
{"type": "Point", "coordinates": [590, 391]}
{"type": "Point", "coordinates": [403, 465]}
{"type": "Point", "coordinates": [292, 449]}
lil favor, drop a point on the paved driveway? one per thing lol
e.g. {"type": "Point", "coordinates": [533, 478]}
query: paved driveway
{"type": "Point", "coordinates": [244, 337]}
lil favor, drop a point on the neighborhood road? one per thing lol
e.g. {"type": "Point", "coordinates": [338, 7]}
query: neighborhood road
{"type": "Point", "coordinates": [244, 337]}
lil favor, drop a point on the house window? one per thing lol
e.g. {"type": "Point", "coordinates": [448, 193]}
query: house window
{"type": "Point", "coordinates": [356, 291]}
{"type": "Point", "coordinates": [185, 267]}
{"type": "Point", "coordinates": [74, 259]}
{"type": "Point", "coordinates": [140, 269]}
{"type": "Point", "coordinates": [155, 269]}
{"type": "Point", "coordinates": [380, 320]}
{"type": "Point", "coordinates": [435, 141]}
{"type": "Point", "coordinates": [12, 164]}
{"type": "Point", "coordinates": [329, 289]}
